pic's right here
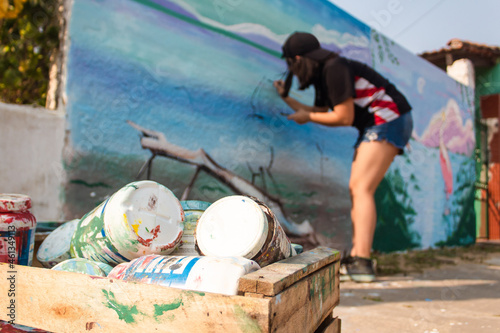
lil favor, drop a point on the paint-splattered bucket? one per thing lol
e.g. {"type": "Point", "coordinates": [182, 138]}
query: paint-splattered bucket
{"type": "Point", "coordinates": [242, 226]}
{"type": "Point", "coordinates": [142, 218]}
{"type": "Point", "coordinates": [17, 229]}
{"type": "Point", "coordinates": [193, 209]}
{"type": "Point", "coordinates": [204, 274]}
{"type": "Point", "coordinates": [83, 266]}
{"type": "Point", "coordinates": [56, 247]}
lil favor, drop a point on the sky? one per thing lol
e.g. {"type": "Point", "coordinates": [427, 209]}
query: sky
{"type": "Point", "coordinates": [427, 25]}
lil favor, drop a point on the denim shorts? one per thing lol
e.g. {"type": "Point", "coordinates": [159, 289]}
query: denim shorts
{"type": "Point", "coordinates": [396, 132]}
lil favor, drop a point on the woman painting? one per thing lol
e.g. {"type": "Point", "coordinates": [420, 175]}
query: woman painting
{"type": "Point", "coordinates": [349, 93]}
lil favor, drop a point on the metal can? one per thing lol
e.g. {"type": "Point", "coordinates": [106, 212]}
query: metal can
{"type": "Point", "coordinates": [193, 209]}
{"type": "Point", "coordinates": [17, 229]}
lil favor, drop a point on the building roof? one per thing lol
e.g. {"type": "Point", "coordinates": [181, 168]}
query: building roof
{"type": "Point", "coordinates": [481, 55]}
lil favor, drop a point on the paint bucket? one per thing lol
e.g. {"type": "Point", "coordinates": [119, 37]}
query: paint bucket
{"type": "Point", "coordinates": [193, 209]}
{"type": "Point", "coordinates": [298, 248]}
{"type": "Point", "coordinates": [141, 218]}
{"type": "Point", "coordinates": [242, 226]}
{"type": "Point", "coordinates": [205, 274]}
{"type": "Point", "coordinates": [17, 229]}
{"type": "Point", "coordinates": [56, 247]}
{"type": "Point", "coordinates": [83, 266]}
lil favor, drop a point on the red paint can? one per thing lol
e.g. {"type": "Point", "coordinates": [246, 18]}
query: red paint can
{"type": "Point", "coordinates": [17, 229]}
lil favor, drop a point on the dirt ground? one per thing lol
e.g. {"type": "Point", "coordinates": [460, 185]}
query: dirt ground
{"type": "Point", "coordinates": [442, 290]}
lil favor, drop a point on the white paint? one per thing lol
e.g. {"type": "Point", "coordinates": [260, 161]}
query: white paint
{"type": "Point", "coordinates": [421, 85]}
{"type": "Point", "coordinates": [232, 226]}
{"type": "Point", "coordinates": [31, 146]}
{"type": "Point", "coordinates": [462, 70]}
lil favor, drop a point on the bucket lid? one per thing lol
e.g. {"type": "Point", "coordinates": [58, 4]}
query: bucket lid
{"type": "Point", "coordinates": [57, 244]}
{"type": "Point", "coordinates": [144, 217]}
{"type": "Point", "coordinates": [82, 266]}
{"type": "Point", "coordinates": [232, 226]}
{"type": "Point", "coordinates": [14, 203]}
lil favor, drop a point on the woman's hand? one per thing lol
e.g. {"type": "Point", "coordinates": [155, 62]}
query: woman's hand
{"type": "Point", "coordinates": [280, 87]}
{"type": "Point", "coordinates": [300, 117]}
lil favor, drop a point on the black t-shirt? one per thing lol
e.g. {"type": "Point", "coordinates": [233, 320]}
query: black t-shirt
{"type": "Point", "coordinates": [376, 100]}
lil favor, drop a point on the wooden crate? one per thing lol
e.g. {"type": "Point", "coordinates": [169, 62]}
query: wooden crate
{"type": "Point", "coordinates": [297, 294]}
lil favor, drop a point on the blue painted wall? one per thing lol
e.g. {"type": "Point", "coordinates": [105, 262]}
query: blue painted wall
{"type": "Point", "coordinates": [201, 73]}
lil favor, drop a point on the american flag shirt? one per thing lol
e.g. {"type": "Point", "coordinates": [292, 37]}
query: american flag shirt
{"type": "Point", "coordinates": [376, 100]}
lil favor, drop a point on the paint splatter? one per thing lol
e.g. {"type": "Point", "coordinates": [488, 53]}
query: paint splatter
{"type": "Point", "coordinates": [147, 242]}
{"type": "Point", "coordinates": [91, 325]}
{"type": "Point", "coordinates": [162, 308]}
{"type": "Point", "coordinates": [246, 323]}
{"type": "Point", "coordinates": [124, 312]}
{"type": "Point", "coordinates": [152, 202]}
{"type": "Point", "coordinates": [191, 292]}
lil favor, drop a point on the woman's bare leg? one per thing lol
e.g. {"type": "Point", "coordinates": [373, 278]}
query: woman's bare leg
{"type": "Point", "coordinates": [371, 162]}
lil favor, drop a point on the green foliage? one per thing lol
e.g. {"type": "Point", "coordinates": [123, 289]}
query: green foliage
{"type": "Point", "coordinates": [394, 215]}
{"type": "Point", "coordinates": [461, 224]}
{"type": "Point", "coordinates": [383, 48]}
{"type": "Point", "coordinates": [28, 44]}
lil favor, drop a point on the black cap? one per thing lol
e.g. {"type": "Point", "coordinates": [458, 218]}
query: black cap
{"type": "Point", "coordinates": [304, 44]}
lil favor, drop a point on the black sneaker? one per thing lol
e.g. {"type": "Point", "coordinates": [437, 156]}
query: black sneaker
{"type": "Point", "coordinates": [357, 269]}
{"type": "Point", "coordinates": [344, 276]}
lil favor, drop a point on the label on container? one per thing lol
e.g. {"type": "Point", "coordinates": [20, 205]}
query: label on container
{"type": "Point", "coordinates": [16, 247]}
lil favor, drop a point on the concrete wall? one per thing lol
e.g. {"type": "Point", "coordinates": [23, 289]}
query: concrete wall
{"type": "Point", "coordinates": [31, 145]}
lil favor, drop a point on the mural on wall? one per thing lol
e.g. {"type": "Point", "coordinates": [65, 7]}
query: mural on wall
{"type": "Point", "coordinates": [180, 91]}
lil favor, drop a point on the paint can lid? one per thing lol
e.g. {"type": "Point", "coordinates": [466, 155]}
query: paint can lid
{"type": "Point", "coordinates": [232, 226]}
{"type": "Point", "coordinates": [55, 248]}
{"type": "Point", "coordinates": [144, 217]}
{"type": "Point", "coordinates": [14, 203]}
{"type": "Point", "coordinates": [82, 266]}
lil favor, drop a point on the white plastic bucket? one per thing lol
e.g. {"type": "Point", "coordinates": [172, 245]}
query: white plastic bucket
{"type": "Point", "coordinates": [242, 226]}
{"type": "Point", "coordinates": [141, 218]}
{"type": "Point", "coordinates": [203, 274]}
{"type": "Point", "coordinates": [55, 248]}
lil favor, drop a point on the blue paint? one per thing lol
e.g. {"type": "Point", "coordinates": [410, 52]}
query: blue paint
{"type": "Point", "coordinates": [161, 272]}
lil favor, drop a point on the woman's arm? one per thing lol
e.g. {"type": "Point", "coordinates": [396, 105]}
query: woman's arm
{"type": "Point", "coordinates": [296, 106]}
{"type": "Point", "coordinates": [293, 103]}
{"type": "Point", "coordinates": [342, 115]}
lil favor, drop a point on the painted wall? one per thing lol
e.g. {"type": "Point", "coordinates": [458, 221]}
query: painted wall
{"type": "Point", "coordinates": [200, 74]}
{"type": "Point", "coordinates": [31, 147]}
